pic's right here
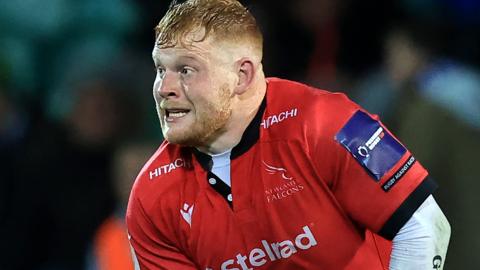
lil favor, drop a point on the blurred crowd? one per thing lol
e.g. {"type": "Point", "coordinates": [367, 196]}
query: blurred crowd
{"type": "Point", "coordinates": [77, 120]}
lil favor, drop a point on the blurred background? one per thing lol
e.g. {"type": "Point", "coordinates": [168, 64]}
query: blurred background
{"type": "Point", "coordinates": [77, 117]}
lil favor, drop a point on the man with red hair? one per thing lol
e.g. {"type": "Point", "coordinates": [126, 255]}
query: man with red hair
{"type": "Point", "coordinates": [266, 173]}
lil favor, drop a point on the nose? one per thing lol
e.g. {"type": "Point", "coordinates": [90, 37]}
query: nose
{"type": "Point", "coordinates": [166, 85]}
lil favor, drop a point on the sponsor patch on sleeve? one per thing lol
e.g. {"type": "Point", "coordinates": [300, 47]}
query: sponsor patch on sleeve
{"type": "Point", "coordinates": [371, 145]}
{"type": "Point", "coordinates": [399, 174]}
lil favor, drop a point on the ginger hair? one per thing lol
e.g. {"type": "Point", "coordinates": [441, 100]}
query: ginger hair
{"type": "Point", "coordinates": [224, 20]}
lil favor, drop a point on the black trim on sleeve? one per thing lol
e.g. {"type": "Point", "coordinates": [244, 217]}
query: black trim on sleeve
{"type": "Point", "coordinates": [408, 207]}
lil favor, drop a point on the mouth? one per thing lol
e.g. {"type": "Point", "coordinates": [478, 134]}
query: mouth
{"type": "Point", "coordinates": [173, 114]}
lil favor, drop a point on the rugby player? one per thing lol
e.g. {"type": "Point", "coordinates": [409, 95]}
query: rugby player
{"type": "Point", "coordinates": [267, 173]}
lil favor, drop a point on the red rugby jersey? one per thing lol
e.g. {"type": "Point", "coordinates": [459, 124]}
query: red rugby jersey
{"type": "Point", "coordinates": [317, 183]}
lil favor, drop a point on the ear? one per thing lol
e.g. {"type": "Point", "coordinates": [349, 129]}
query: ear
{"type": "Point", "coordinates": [246, 72]}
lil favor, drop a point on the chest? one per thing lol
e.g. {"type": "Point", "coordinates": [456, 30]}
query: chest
{"type": "Point", "coordinates": [281, 214]}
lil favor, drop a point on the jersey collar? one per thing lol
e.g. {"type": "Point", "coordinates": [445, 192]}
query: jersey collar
{"type": "Point", "coordinates": [249, 138]}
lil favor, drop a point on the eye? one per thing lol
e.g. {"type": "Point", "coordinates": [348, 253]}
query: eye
{"type": "Point", "coordinates": [160, 70]}
{"type": "Point", "coordinates": [186, 70]}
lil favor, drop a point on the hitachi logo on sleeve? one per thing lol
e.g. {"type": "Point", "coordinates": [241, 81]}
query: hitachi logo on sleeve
{"type": "Point", "coordinates": [275, 119]}
{"type": "Point", "coordinates": [167, 168]}
{"type": "Point", "coordinates": [271, 252]}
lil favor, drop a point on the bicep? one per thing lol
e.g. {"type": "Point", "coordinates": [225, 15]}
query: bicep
{"type": "Point", "coordinates": [160, 257]}
{"type": "Point", "coordinates": [374, 178]}
{"type": "Point", "coordinates": [150, 246]}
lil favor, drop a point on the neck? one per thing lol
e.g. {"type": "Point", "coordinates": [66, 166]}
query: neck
{"type": "Point", "coordinates": [245, 107]}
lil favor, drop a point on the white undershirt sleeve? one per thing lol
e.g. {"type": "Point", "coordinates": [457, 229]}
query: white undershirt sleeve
{"type": "Point", "coordinates": [423, 241]}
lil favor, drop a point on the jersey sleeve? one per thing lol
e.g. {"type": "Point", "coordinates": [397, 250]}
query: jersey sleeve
{"type": "Point", "coordinates": [151, 247]}
{"type": "Point", "coordinates": [375, 179]}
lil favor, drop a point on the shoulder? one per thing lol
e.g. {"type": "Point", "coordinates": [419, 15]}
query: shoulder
{"type": "Point", "coordinates": [163, 174]}
{"type": "Point", "coordinates": [316, 110]}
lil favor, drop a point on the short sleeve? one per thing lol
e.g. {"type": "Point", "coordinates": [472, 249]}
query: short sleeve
{"type": "Point", "coordinates": [376, 180]}
{"type": "Point", "coordinates": [150, 246]}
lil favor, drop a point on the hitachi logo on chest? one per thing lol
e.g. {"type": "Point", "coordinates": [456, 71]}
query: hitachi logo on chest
{"type": "Point", "coordinates": [275, 119]}
{"type": "Point", "coordinates": [271, 252]}
{"type": "Point", "coordinates": [167, 168]}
